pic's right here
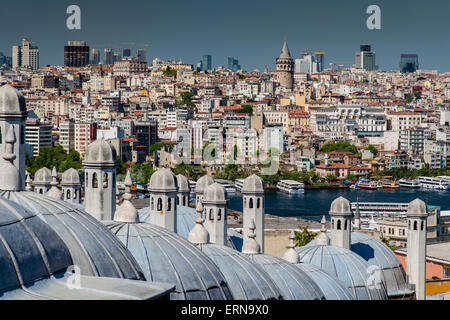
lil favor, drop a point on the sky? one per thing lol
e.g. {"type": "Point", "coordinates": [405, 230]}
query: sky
{"type": "Point", "coordinates": [250, 30]}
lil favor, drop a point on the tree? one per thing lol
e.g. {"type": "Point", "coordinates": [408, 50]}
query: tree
{"type": "Point", "coordinates": [387, 241]}
{"type": "Point", "coordinates": [246, 108]}
{"type": "Point", "coordinates": [314, 175]}
{"type": "Point", "coordinates": [54, 157]}
{"type": "Point", "coordinates": [372, 149]}
{"type": "Point", "coordinates": [184, 99]}
{"type": "Point", "coordinates": [339, 146]}
{"type": "Point", "coordinates": [352, 177]}
{"type": "Point", "coordinates": [417, 95]}
{"type": "Point", "coordinates": [170, 72]}
{"type": "Point", "coordinates": [304, 237]}
{"type": "Point", "coordinates": [331, 177]}
{"type": "Point", "coordinates": [408, 98]}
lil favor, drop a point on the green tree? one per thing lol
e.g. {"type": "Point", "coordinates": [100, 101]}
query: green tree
{"type": "Point", "coordinates": [417, 95]}
{"type": "Point", "coordinates": [409, 98]}
{"type": "Point", "coordinates": [303, 237]}
{"type": "Point", "coordinates": [314, 175]}
{"type": "Point", "coordinates": [387, 241]}
{"type": "Point", "coordinates": [184, 98]}
{"type": "Point", "coordinates": [339, 146]}
{"type": "Point", "coordinates": [352, 177]}
{"type": "Point", "coordinates": [331, 177]}
{"type": "Point", "coordinates": [54, 157]}
{"type": "Point", "coordinates": [169, 72]}
{"type": "Point", "coordinates": [372, 149]}
{"type": "Point", "coordinates": [246, 108]}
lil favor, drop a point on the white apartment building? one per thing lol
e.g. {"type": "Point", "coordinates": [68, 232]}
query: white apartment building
{"type": "Point", "coordinates": [26, 55]}
{"type": "Point", "coordinates": [82, 137]}
{"type": "Point", "coordinates": [38, 135]}
{"type": "Point", "coordinates": [67, 135]}
{"type": "Point", "coordinates": [398, 121]}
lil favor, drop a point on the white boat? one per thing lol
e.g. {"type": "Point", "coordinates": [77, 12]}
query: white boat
{"type": "Point", "coordinates": [291, 186]}
{"type": "Point", "coordinates": [409, 183]}
{"type": "Point", "coordinates": [239, 184]}
{"type": "Point", "coordinates": [229, 188]}
{"type": "Point", "coordinates": [354, 187]}
{"type": "Point", "coordinates": [434, 183]}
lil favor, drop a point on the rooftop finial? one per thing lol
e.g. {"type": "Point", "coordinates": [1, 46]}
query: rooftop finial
{"type": "Point", "coordinates": [54, 191]}
{"type": "Point", "coordinates": [54, 177]}
{"type": "Point", "coordinates": [322, 238]}
{"type": "Point", "coordinates": [291, 255]}
{"type": "Point", "coordinates": [199, 234]}
{"type": "Point", "coordinates": [9, 174]}
{"type": "Point", "coordinates": [9, 147]}
{"type": "Point", "coordinates": [250, 245]}
{"type": "Point", "coordinates": [127, 211]}
{"type": "Point", "coordinates": [29, 187]}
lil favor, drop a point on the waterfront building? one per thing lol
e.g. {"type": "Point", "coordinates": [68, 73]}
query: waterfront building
{"type": "Point", "coordinates": [76, 54]}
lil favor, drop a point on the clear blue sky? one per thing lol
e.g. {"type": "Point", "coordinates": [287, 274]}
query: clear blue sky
{"type": "Point", "coordinates": [250, 30]}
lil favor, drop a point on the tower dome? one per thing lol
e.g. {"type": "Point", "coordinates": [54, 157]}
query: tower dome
{"type": "Point", "coordinates": [340, 206]}
{"type": "Point", "coordinates": [100, 152]}
{"type": "Point", "coordinates": [43, 176]}
{"type": "Point", "coordinates": [253, 184]}
{"type": "Point", "coordinates": [163, 180]}
{"type": "Point", "coordinates": [12, 102]}
{"type": "Point", "coordinates": [70, 177]}
{"type": "Point", "coordinates": [215, 193]}
{"type": "Point", "coordinates": [183, 184]}
{"type": "Point", "coordinates": [202, 183]}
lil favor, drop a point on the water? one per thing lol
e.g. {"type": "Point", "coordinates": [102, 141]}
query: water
{"type": "Point", "coordinates": [314, 203]}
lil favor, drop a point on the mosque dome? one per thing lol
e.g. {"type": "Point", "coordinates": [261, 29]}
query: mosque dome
{"type": "Point", "coordinates": [253, 184]}
{"type": "Point", "coordinates": [348, 267]}
{"type": "Point", "coordinates": [100, 152]}
{"type": "Point", "coordinates": [12, 102]}
{"type": "Point", "coordinates": [186, 221]}
{"type": "Point", "coordinates": [340, 206]}
{"type": "Point", "coordinates": [70, 177]}
{"type": "Point", "coordinates": [202, 183]}
{"type": "Point", "coordinates": [94, 249]}
{"type": "Point", "coordinates": [183, 184]}
{"type": "Point", "coordinates": [163, 180]}
{"type": "Point", "coordinates": [43, 176]}
{"type": "Point", "coordinates": [292, 282]}
{"type": "Point", "coordinates": [215, 193]}
{"type": "Point", "coordinates": [376, 253]}
{"type": "Point", "coordinates": [166, 257]}
{"type": "Point", "coordinates": [246, 280]}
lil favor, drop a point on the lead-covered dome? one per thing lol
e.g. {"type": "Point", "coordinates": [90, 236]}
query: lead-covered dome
{"type": "Point", "coordinates": [94, 249]}
{"type": "Point", "coordinates": [166, 257]}
{"type": "Point", "coordinates": [183, 184]}
{"type": "Point", "coordinates": [363, 282]}
{"type": "Point", "coordinates": [43, 176]}
{"type": "Point", "coordinates": [203, 183]}
{"type": "Point", "coordinates": [376, 253]}
{"type": "Point", "coordinates": [163, 180]}
{"type": "Point", "coordinates": [246, 280]}
{"type": "Point", "coordinates": [340, 206]}
{"type": "Point", "coordinates": [12, 102]}
{"type": "Point", "coordinates": [215, 193]}
{"type": "Point", "coordinates": [70, 177]}
{"type": "Point", "coordinates": [100, 152]}
{"type": "Point", "coordinates": [253, 185]}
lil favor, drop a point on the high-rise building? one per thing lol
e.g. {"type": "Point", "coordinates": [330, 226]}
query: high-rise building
{"type": "Point", "coordinates": [25, 55]}
{"type": "Point", "coordinates": [109, 56]}
{"type": "Point", "coordinates": [38, 135]}
{"type": "Point", "coordinates": [95, 56]}
{"type": "Point", "coordinates": [126, 52]}
{"type": "Point", "coordinates": [4, 60]}
{"type": "Point", "coordinates": [67, 135]}
{"type": "Point", "coordinates": [76, 54]}
{"type": "Point", "coordinates": [319, 58]}
{"type": "Point", "coordinates": [141, 54]}
{"type": "Point", "coordinates": [285, 68]}
{"type": "Point", "coordinates": [409, 63]}
{"type": "Point", "coordinates": [365, 58]}
{"type": "Point", "coordinates": [146, 134]}
{"type": "Point", "coordinates": [233, 64]}
{"type": "Point", "coordinates": [207, 62]}
{"type": "Point", "coordinates": [307, 63]}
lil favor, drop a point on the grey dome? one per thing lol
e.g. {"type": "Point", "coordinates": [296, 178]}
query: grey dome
{"type": "Point", "coordinates": [163, 180]}
{"type": "Point", "coordinates": [70, 177]}
{"type": "Point", "coordinates": [183, 184]}
{"type": "Point", "coordinates": [348, 267]}
{"type": "Point", "coordinates": [186, 221]}
{"type": "Point", "coordinates": [215, 193]}
{"type": "Point", "coordinates": [417, 208]}
{"type": "Point", "coordinates": [202, 183]}
{"type": "Point", "coordinates": [376, 253]}
{"type": "Point", "coordinates": [341, 207]}
{"type": "Point", "coordinates": [332, 288]}
{"type": "Point", "coordinates": [94, 249]}
{"type": "Point", "coordinates": [246, 280]}
{"type": "Point", "coordinates": [166, 257]}
{"type": "Point", "coordinates": [293, 283]}
{"type": "Point", "coordinates": [12, 102]}
{"type": "Point", "coordinates": [43, 176]}
{"type": "Point", "coordinates": [100, 152]}
{"type": "Point", "coordinates": [253, 184]}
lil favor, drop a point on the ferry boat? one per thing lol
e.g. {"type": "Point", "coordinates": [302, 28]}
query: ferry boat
{"type": "Point", "coordinates": [239, 184]}
{"type": "Point", "coordinates": [409, 183]}
{"type": "Point", "coordinates": [354, 187]}
{"type": "Point", "coordinates": [369, 185]}
{"type": "Point", "coordinates": [291, 186]}
{"type": "Point", "coordinates": [434, 183]}
{"type": "Point", "coordinates": [228, 185]}
{"type": "Point", "coordinates": [389, 184]}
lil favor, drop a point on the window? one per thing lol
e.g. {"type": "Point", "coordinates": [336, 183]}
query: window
{"type": "Point", "coordinates": [211, 215]}
{"type": "Point", "coordinates": [219, 215]}
{"type": "Point", "coordinates": [178, 200]}
{"type": "Point", "coordinates": [184, 200]}
{"type": "Point", "coordinates": [421, 225]}
{"type": "Point", "coordinates": [339, 225]}
{"type": "Point", "coordinates": [152, 201]}
{"type": "Point", "coordinates": [75, 194]}
{"type": "Point", "coordinates": [415, 225]}
{"type": "Point", "coordinates": [94, 180]}
{"type": "Point", "coordinates": [159, 206]}
{"type": "Point", "coordinates": [245, 202]}
{"type": "Point", "coordinates": [87, 179]}
{"type": "Point", "coordinates": [68, 194]}
{"type": "Point", "coordinates": [169, 204]}
{"type": "Point", "coordinates": [105, 180]}
{"type": "Point", "coordinates": [250, 203]}
{"type": "Point", "coordinates": [345, 225]}
{"type": "Point", "coordinates": [258, 203]}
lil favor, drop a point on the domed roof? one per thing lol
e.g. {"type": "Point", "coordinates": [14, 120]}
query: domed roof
{"type": "Point", "coordinates": [348, 267]}
{"type": "Point", "coordinates": [166, 257]}
{"type": "Point", "coordinates": [70, 177]}
{"type": "Point", "coordinates": [246, 280]}
{"type": "Point", "coordinates": [12, 102]}
{"type": "Point", "coordinates": [215, 193]}
{"type": "Point", "coordinates": [43, 176]}
{"type": "Point", "coordinates": [100, 152]}
{"type": "Point", "coordinates": [292, 282]}
{"type": "Point", "coordinates": [163, 180]}
{"type": "Point", "coordinates": [332, 288]}
{"type": "Point", "coordinates": [94, 249]}
{"type": "Point", "coordinates": [186, 221]}
{"type": "Point", "coordinates": [340, 207]}
{"type": "Point", "coordinates": [376, 253]}
{"type": "Point", "coordinates": [183, 184]}
{"type": "Point", "coordinates": [253, 184]}
{"type": "Point", "coordinates": [417, 208]}
{"type": "Point", "coordinates": [202, 183]}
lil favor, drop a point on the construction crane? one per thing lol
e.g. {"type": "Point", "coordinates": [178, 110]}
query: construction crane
{"type": "Point", "coordinates": [337, 63]}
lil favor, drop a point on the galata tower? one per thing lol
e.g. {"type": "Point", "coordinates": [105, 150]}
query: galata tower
{"type": "Point", "coordinates": [285, 68]}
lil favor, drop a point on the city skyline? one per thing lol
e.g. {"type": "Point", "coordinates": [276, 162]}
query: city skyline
{"type": "Point", "coordinates": [170, 35]}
